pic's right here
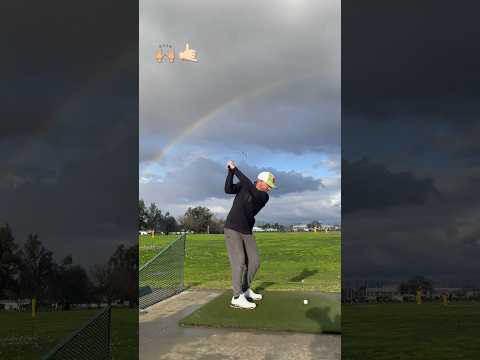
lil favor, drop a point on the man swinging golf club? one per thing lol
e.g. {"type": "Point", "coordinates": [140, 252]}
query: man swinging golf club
{"type": "Point", "coordinates": [250, 198]}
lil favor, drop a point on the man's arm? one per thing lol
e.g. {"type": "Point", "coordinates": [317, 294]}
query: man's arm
{"type": "Point", "coordinates": [230, 187]}
{"type": "Point", "coordinates": [245, 181]}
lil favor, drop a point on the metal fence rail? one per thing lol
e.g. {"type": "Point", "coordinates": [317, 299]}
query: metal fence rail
{"type": "Point", "coordinates": [91, 342]}
{"type": "Point", "coordinates": [163, 275]}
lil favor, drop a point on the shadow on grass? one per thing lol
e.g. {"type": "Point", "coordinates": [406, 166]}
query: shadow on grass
{"type": "Point", "coordinates": [303, 275]}
{"type": "Point", "coordinates": [324, 320]}
{"type": "Point", "coordinates": [264, 285]}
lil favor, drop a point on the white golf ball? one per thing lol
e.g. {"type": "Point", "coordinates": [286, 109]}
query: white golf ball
{"type": "Point", "coordinates": [305, 302]}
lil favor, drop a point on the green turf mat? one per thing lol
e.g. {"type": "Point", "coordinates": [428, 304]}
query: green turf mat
{"type": "Point", "coordinates": [279, 311]}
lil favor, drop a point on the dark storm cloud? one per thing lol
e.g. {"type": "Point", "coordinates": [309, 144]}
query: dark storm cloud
{"type": "Point", "coordinates": [408, 49]}
{"type": "Point", "coordinates": [368, 185]}
{"type": "Point", "coordinates": [55, 52]}
{"type": "Point", "coordinates": [460, 139]}
{"type": "Point", "coordinates": [62, 39]}
{"type": "Point", "coordinates": [77, 190]}
{"type": "Point", "coordinates": [438, 239]}
{"type": "Point", "coordinates": [410, 98]}
{"type": "Point", "coordinates": [396, 226]}
{"type": "Point", "coordinates": [203, 179]}
{"type": "Point", "coordinates": [296, 119]}
{"type": "Point", "coordinates": [68, 135]}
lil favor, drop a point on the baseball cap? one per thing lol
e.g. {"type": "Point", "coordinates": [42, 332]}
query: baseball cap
{"type": "Point", "coordinates": [268, 177]}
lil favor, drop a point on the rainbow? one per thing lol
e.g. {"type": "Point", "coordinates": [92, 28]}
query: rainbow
{"type": "Point", "coordinates": [207, 117]}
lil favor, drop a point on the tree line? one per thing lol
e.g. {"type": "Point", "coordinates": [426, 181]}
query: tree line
{"type": "Point", "coordinates": [276, 226]}
{"type": "Point", "coordinates": [197, 219]}
{"type": "Point", "coordinates": [30, 271]}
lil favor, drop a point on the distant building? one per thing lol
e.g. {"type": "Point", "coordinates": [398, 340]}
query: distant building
{"type": "Point", "coordinates": [385, 292]}
{"type": "Point", "coordinates": [451, 292]}
{"type": "Point", "coordinates": [14, 305]}
{"type": "Point", "coordinates": [257, 229]}
{"type": "Point", "coordinates": [270, 229]}
{"type": "Point", "coordinates": [301, 227]}
{"type": "Point", "coordinates": [472, 293]}
{"type": "Point", "coordinates": [326, 227]}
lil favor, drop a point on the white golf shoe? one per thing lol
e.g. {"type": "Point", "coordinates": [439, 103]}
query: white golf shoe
{"type": "Point", "coordinates": [242, 303]}
{"type": "Point", "coordinates": [249, 294]}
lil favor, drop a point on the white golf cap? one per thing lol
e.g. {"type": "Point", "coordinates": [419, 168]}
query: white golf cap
{"type": "Point", "coordinates": [268, 178]}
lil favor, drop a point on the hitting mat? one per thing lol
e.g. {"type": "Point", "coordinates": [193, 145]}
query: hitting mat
{"type": "Point", "coordinates": [278, 311]}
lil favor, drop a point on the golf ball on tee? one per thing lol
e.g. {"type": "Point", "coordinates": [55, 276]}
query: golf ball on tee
{"type": "Point", "coordinates": [305, 301]}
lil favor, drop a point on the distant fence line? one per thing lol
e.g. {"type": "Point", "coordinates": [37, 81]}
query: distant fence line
{"type": "Point", "coordinates": [438, 283]}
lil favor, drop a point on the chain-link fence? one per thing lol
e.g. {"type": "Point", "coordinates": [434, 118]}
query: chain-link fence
{"type": "Point", "coordinates": [163, 275]}
{"type": "Point", "coordinates": [91, 342]}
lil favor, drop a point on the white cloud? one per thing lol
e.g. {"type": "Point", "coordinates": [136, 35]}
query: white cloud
{"type": "Point", "coordinates": [191, 187]}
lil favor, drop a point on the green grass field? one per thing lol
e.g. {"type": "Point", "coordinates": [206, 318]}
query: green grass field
{"type": "Point", "coordinates": [411, 331]}
{"type": "Point", "coordinates": [20, 340]}
{"type": "Point", "coordinates": [150, 246]}
{"type": "Point", "coordinates": [286, 258]}
{"type": "Point", "coordinates": [279, 310]}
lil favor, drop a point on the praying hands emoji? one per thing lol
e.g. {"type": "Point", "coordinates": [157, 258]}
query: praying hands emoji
{"type": "Point", "coordinates": [159, 55]}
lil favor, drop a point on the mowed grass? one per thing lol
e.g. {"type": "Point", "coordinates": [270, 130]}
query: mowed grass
{"type": "Point", "coordinates": [151, 245]}
{"type": "Point", "coordinates": [125, 334]}
{"type": "Point", "coordinates": [286, 259]}
{"type": "Point", "coordinates": [278, 311]}
{"type": "Point", "coordinates": [22, 337]}
{"type": "Point", "coordinates": [411, 331]}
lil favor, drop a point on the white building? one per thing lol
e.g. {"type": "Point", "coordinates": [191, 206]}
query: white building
{"type": "Point", "coordinates": [301, 227]}
{"type": "Point", "coordinates": [327, 227]}
{"type": "Point", "coordinates": [257, 229]}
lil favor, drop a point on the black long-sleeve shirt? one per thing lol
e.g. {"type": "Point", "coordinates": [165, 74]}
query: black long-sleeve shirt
{"type": "Point", "coordinates": [247, 203]}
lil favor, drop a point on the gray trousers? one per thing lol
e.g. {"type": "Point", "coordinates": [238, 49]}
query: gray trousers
{"type": "Point", "coordinates": [244, 260]}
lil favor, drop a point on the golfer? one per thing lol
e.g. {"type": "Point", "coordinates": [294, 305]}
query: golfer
{"type": "Point", "coordinates": [250, 198]}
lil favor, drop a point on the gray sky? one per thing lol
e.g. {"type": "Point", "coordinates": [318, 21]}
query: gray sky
{"type": "Point", "coordinates": [410, 138]}
{"type": "Point", "coordinates": [68, 135]}
{"type": "Point", "coordinates": [265, 92]}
